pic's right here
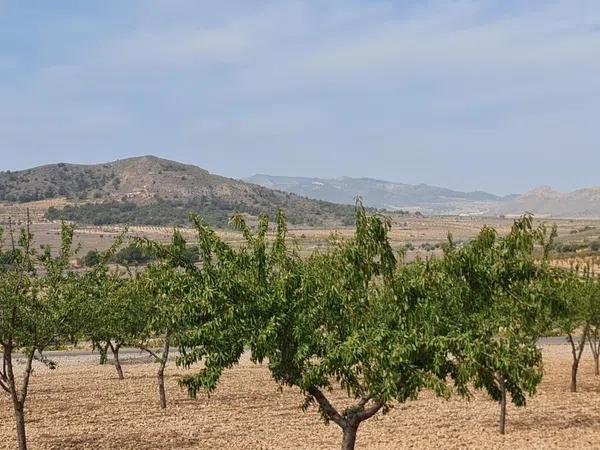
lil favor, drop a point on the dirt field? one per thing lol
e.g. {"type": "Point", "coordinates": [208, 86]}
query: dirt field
{"type": "Point", "coordinates": [83, 406]}
{"type": "Point", "coordinates": [413, 230]}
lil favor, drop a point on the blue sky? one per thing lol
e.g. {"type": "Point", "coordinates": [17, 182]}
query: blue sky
{"type": "Point", "coordinates": [495, 95]}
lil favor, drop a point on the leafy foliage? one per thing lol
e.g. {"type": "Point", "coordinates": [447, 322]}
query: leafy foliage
{"type": "Point", "coordinates": [354, 316]}
{"type": "Point", "coordinates": [215, 211]}
{"type": "Point", "coordinates": [38, 307]}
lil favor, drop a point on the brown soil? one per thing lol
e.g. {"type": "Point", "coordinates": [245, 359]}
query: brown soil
{"type": "Point", "coordinates": [83, 406]}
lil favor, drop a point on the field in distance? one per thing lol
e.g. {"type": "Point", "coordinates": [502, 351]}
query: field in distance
{"type": "Point", "coordinates": [578, 239]}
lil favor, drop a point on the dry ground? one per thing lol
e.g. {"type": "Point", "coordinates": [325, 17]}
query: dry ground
{"type": "Point", "coordinates": [414, 230]}
{"type": "Point", "coordinates": [83, 406]}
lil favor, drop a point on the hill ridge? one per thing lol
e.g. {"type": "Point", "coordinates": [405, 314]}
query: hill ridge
{"type": "Point", "coordinates": [148, 190]}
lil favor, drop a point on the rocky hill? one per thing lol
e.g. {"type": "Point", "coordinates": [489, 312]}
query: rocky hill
{"type": "Point", "coordinates": [153, 191]}
{"type": "Point", "coordinates": [544, 201]}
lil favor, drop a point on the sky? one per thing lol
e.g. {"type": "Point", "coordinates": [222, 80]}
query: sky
{"type": "Point", "coordinates": [501, 96]}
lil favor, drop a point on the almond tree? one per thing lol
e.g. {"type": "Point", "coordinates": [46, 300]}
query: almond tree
{"type": "Point", "coordinates": [594, 331]}
{"type": "Point", "coordinates": [577, 291]}
{"type": "Point", "coordinates": [168, 286]}
{"type": "Point", "coordinates": [350, 316]}
{"type": "Point", "coordinates": [37, 307]}
{"type": "Point", "coordinates": [114, 314]}
{"type": "Point", "coordinates": [507, 306]}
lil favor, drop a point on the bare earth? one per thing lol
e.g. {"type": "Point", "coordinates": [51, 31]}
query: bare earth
{"type": "Point", "coordinates": [414, 230]}
{"type": "Point", "coordinates": [83, 406]}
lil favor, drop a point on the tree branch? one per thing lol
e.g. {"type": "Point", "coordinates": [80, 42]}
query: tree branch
{"type": "Point", "coordinates": [26, 377]}
{"type": "Point", "coordinates": [573, 349]}
{"type": "Point", "coordinates": [582, 341]}
{"type": "Point", "coordinates": [326, 407]}
{"type": "Point", "coordinates": [145, 349]}
{"type": "Point", "coordinates": [370, 412]}
{"type": "Point", "coordinates": [165, 354]}
{"type": "Point", "coordinates": [594, 344]}
{"type": "Point", "coordinates": [363, 401]}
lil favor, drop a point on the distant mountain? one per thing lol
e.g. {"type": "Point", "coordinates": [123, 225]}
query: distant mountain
{"type": "Point", "coordinates": [544, 201]}
{"type": "Point", "coordinates": [384, 194]}
{"type": "Point", "coordinates": [153, 191]}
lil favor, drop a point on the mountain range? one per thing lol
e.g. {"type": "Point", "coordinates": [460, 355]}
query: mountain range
{"type": "Point", "coordinates": [542, 201]}
{"type": "Point", "coordinates": [382, 194]}
{"type": "Point", "coordinates": [152, 191]}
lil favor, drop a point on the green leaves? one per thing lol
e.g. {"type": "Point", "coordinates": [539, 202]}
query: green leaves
{"type": "Point", "coordinates": [353, 315]}
{"type": "Point", "coordinates": [38, 293]}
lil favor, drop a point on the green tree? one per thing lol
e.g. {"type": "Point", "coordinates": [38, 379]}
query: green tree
{"type": "Point", "coordinates": [132, 255]}
{"type": "Point", "coordinates": [574, 320]}
{"type": "Point", "coordinates": [350, 316]}
{"type": "Point", "coordinates": [594, 316]}
{"type": "Point", "coordinates": [505, 308]}
{"type": "Point", "coordinates": [115, 313]}
{"type": "Point", "coordinates": [169, 287]}
{"type": "Point", "coordinates": [37, 307]}
{"type": "Point", "coordinates": [353, 316]}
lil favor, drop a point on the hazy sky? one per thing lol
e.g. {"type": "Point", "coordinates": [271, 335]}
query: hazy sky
{"type": "Point", "coordinates": [495, 95]}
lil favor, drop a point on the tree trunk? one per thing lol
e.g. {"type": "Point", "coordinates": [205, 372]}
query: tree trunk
{"type": "Point", "coordinates": [20, 422]}
{"type": "Point", "coordinates": [595, 348]}
{"type": "Point", "coordinates": [349, 437]}
{"type": "Point", "coordinates": [115, 351]}
{"type": "Point", "coordinates": [103, 350]}
{"type": "Point", "coordinates": [502, 423]}
{"type": "Point", "coordinates": [161, 373]}
{"type": "Point", "coordinates": [574, 368]}
{"type": "Point", "coordinates": [161, 389]}
{"type": "Point", "coordinates": [18, 398]}
{"type": "Point", "coordinates": [351, 418]}
{"type": "Point", "coordinates": [577, 350]}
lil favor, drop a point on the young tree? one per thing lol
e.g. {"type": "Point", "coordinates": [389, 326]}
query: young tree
{"type": "Point", "coordinates": [506, 309]}
{"type": "Point", "coordinates": [111, 315]}
{"type": "Point", "coordinates": [350, 315]}
{"type": "Point", "coordinates": [575, 317]}
{"type": "Point", "coordinates": [114, 312]}
{"type": "Point", "coordinates": [37, 307]}
{"type": "Point", "coordinates": [594, 331]}
{"type": "Point", "coordinates": [168, 287]}
{"type": "Point", "coordinates": [353, 316]}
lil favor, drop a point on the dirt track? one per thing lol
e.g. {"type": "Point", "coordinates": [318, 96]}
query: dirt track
{"type": "Point", "coordinates": [83, 406]}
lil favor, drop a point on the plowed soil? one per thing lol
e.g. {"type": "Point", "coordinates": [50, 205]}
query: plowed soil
{"type": "Point", "coordinates": [82, 405]}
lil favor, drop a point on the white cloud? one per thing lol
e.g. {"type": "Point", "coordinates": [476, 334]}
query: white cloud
{"type": "Point", "coordinates": [438, 44]}
{"type": "Point", "coordinates": [272, 78]}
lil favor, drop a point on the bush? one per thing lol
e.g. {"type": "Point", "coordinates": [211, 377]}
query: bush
{"type": "Point", "coordinates": [569, 247]}
{"type": "Point", "coordinates": [92, 258]}
{"type": "Point", "coordinates": [133, 255]}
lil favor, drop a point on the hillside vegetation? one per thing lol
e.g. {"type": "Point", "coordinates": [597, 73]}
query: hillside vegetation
{"type": "Point", "coordinates": [153, 191]}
